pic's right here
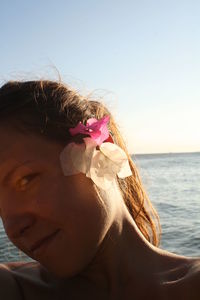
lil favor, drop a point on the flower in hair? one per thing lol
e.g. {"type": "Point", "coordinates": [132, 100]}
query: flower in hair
{"type": "Point", "coordinates": [98, 157]}
{"type": "Point", "coordinates": [97, 129]}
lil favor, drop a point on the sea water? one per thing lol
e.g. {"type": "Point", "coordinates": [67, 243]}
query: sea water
{"type": "Point", "coordinates": [172, 182]}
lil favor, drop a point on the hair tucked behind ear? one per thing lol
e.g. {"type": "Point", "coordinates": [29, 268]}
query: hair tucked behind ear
{"type": "Point", "coordinates": [50, 108]}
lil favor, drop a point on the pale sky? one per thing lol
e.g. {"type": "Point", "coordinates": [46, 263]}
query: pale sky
{"type": "Point", "coordinates": [142, 56]}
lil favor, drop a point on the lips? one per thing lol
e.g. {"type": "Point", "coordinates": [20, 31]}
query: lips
{"type": "Point", "coordinates": [43, 240]}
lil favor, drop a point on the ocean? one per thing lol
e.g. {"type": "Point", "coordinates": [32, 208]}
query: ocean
{"type": "Point", "coordinates": [172, 182]}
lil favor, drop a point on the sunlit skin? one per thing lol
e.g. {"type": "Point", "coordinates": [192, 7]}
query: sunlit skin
{"type": "Point", "coordinates": [97, 250]}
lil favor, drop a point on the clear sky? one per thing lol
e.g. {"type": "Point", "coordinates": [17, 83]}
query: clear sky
{"type": "Point", "coordinates": [142, 57]}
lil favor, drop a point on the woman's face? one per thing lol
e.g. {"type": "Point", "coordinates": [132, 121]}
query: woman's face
{"type": "Point", "coordinates": [55, 219]}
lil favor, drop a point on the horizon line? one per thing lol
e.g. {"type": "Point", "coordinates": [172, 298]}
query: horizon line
{"type": "Point", "coordinates": [154, 153]}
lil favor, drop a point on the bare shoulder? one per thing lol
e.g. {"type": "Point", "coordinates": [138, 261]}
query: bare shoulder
{"type": "Point", "coordinates": [187, 285]}
{"type": "Point", "coordinates": [193, 276]}
{"type": "Point", "coordinates": [8, 285]}
{"type": "Point", "coordinates": [31, 273]}
{"type": "Point", "coordinates": [190, 283]}
{"type": "Point", "coordinates": [26, 280]}
{"type": "Point", "coordinates": [23, 268]}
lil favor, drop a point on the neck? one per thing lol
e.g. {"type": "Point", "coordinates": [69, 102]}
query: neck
{"type": "Point", "coordinates": [126, 258]}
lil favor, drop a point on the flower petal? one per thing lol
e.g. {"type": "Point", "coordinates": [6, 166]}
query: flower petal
{"type": "Point", "coordinates": [102, 170]}
{"type": "Point", "coordinates": [97, 124]}
{"type": "Point", "coordinates": [80, 128]}
{"type": "Point", "coordinates": [90, 148]}
{"type": "Point", "coordinates": [125, 171]}
{"type": "Point", "coordinates": [67, 162]}
{"type": "Point", "coordinates": [91, 121]}
{"type": "Point", "coordinates": [99, 131]}
{"type": "Point", "coordinates": [78, 157]}
{"type": "Point", "coordinates": [114, 153]}
{"type": "Point", "coordinates": [119, 157]}
{"type": "Point", "coordinates": [102, 137]}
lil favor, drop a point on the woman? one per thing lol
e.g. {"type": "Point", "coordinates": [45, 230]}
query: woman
{"type": "Point", "coordinates": [71, 199]}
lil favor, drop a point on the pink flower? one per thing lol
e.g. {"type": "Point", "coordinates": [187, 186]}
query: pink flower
{"type": "Point", "coordinates": [97, 129]}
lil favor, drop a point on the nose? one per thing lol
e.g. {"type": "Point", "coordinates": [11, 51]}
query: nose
{"type": "Point", "coordinates": [16, 226]}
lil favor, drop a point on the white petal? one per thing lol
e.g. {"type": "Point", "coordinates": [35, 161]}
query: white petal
{"type": "Point", "coordinates": [102, 170]}
{"type": "Point", "coordinates": [78, 157]}
{"type": "Point", "coordinates": [90, 151]}
{"type": "Point", "coordinates": [119, 157]}
{"type": "Point", "coordinates": [66, 160]}
{"type": "Point", "coordinates": [125, 171]}
{"type": "Point", "coordinates": [114, 153]}
{"type": "Point", "coordinates": [90, 143]}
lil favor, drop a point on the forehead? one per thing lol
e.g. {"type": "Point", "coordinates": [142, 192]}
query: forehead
{"type": "Point", "coordinates": [18, 147]}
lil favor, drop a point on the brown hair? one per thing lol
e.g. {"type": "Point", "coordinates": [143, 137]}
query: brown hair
{"type": "Point", "coordinates": [50, 108]}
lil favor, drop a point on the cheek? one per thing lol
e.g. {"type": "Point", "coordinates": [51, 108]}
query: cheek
{"type": "Point", "coordinates": [82, 235]}
{"type": "Point", "coordinates": [75, 249]}
{"type": "Point", "coordinates": [83, 219]}
{"type": "Point", "coordinates": [70, 200]}
{"type": "Point", "coordinates": [80, 209]}
{"type": "Point", "coordinates": [83, 222]}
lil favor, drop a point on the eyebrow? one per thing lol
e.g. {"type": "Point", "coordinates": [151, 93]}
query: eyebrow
{"type": "Point", "coordinates": [7, 177]}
